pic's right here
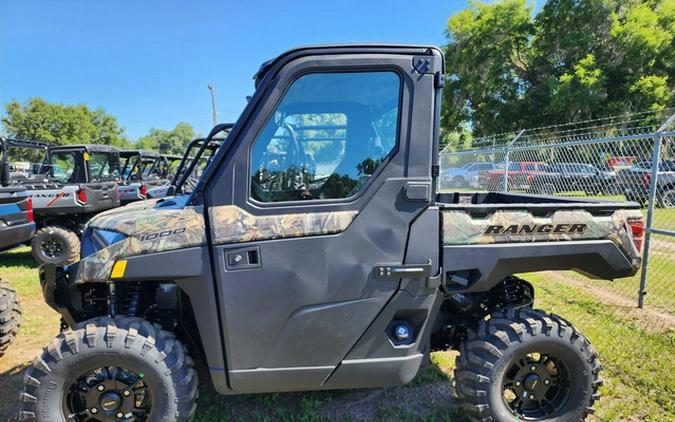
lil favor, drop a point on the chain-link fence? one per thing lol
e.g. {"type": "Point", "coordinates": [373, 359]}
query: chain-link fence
{"type": "Point", "coordinates": [628, 157]}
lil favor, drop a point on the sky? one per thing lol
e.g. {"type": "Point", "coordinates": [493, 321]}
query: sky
{"type": "Point", "coordinates": [149, 62]}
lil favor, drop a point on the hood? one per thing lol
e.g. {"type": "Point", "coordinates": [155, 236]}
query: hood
{"type": "Point", "coordinates": [107, 219]}
{"type": "Point", "coordinates": [145, 227]}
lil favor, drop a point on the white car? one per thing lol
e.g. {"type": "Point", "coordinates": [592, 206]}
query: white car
{"type": "Point", "coordinates": [467, 175]}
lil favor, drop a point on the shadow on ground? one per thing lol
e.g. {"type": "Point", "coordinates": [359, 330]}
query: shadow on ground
{"type": "Point", "coordinates": [430, 397]}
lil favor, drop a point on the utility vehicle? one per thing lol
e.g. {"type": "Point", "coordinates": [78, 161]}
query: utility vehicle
{"type": "Point", "coordinates": [16, 227]}
{"type": "Point", "coordinates": [314, 253]}
{"type": "Point", "coordinates": [72, 184]}
{"type": "Point", "coordinates": [190, 165]}
{"type": "Point", "coordinates": [141, 172]}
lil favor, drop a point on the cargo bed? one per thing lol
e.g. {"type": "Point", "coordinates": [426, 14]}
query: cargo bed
{"type": "Point", "coordinates": [489, 236]}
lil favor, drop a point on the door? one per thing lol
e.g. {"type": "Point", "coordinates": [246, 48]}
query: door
{"type": "Point", "coordinates": [318, 186]}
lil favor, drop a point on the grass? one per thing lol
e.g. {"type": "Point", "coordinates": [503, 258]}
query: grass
{"type": "Point", "coordinates": [639, 382]}
{"type": "Point", "coordinates": [638, 375]}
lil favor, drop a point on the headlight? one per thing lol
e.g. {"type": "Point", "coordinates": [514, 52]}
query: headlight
{"type": "Point", "coordinates": [93, 240]}
{"type": "Point", "coordinates": [109, 237]}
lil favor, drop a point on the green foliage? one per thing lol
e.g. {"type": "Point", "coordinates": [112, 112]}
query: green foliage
{"type": "Point", "coordinates": [168, 141]}
{"type": "Point", "coordinates": [60, 124]}
{"type": "Point", "coordinates": [575, 60]}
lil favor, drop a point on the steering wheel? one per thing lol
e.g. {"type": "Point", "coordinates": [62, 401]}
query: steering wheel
{"type": "Point", "coordinates": [294, 157]}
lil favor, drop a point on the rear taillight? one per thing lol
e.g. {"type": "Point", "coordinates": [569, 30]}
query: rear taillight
{"type": "Point", "coordinates": [143, 191]}
{"type": "Point", "coordinates": [81, 196]}
{"type": "Point", "coordinates": [637, 228]}
{"type": "Point", "coordinates": [29, 210]}
{"type": "Point", "coordinates": [646, 179]}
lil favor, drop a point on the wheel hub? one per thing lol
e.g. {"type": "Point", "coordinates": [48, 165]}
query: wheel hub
{"type": "Point", "coordinates": [536, 386]}
{"type": "Point", "coordinates": [531, 381]}
{"type": "Point", "coordinates": [108, 394]}
{"type": "Point", "coordinates": [110, 401]}
{"type": "Point", "coordinates": [52, 248]}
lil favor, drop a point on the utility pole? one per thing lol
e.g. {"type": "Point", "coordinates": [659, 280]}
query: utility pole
{"type": "Point", "coordinates": [212, 89]}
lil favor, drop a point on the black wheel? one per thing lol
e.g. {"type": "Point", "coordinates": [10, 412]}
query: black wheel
{"type": "Point", "coordinates": [55, 245]}
{"type": "Point", "coordinates": [527, 365]}
{"type": "Point", "coordinates": [10, 316]}
{"type": "Point", "coordinates": [123, 369]}
{"type": "Point", "coordinates": [666, 198]}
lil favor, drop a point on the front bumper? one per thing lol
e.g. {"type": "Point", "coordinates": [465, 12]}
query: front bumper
{"type": "Point", "coordinates": [58, 291]}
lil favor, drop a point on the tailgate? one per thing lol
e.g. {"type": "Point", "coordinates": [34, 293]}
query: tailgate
{"type": "Point", "coordinates": [101, 196]}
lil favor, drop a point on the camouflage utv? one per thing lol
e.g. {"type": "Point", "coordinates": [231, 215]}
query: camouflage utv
{"type": "Point", "coordinates": [315, 253]}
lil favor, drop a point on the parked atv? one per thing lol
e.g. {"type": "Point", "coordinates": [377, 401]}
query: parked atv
{"type": "Point", "coordinates": [16, 227]}
{"type": "Point", "coordinates": [73, 183]}
{"type": "Point", "coordinates": [314, 253]}
{"type": "Point", "coordinates": [142, 171]}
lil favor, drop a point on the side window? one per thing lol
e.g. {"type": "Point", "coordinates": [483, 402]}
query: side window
{"type": "Point", "coordinates": [63, 167]}
{"type": "Point", "coordinates": [328, 135]}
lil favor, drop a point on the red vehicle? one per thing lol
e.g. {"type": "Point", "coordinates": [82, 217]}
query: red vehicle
{"type": "Point", "coordinates": [519, 173]}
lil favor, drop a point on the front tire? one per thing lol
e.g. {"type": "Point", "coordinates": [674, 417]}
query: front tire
{"type": "Point", "coordinates": [527, 365]}
{"type": "Point", "coordinates": [10, 316]}
{"type": "Point", "coordinates": [666, 198]}
{"type": "Point", "coordinates": [111, 369]}
{"type": "Point", "coordinates": [55, 245]}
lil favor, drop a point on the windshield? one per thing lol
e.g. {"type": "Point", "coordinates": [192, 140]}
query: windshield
{"type": "Point", "coordinates": [104, 166]}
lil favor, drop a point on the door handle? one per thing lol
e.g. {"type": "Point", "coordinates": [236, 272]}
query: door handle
{"type": "Point", "coordinates": [396, 271]}
{"type": "Point", "coordinates": [242, 258]}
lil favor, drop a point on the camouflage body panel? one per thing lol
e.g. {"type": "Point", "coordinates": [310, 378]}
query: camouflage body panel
{"type": "Point", "coordinates": [152, 229]}
{"type": "Point", "coordinates": [231, 224]}
{"type": "Point", "coordinates": [459, 228]}
{"type": "Point", "coordinates": [147, 231]}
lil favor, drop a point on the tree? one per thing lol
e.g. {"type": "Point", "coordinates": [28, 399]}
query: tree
{"type": "Point", "coordinates": [575, 60]}
{"type": "Point", "coordinates": [168, 141]}
{"type": "Point", "coordinates": [60, 124]}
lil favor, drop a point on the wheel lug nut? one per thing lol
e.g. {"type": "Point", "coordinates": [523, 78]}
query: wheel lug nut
{"type": "Point", "coordinates": [517, 383]}
{"type": "Point", "coordinates": [547, 382]}
{"type": "Point", "coordinates": [126, 393]}
{"type": "Point", "coordinates": [100, 388]}
{"type": "Point", "coordinates": [533, 368]}
{"type": "Point", "coordinates": [120, 415]}
{"type": "Point", "coordinates": [532, 397]}
{"type": "Point", "coordinates": [94, 410]}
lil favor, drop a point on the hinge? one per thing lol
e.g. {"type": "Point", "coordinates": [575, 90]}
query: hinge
{"type": "Point", "coordinates": [439, 80]}
{"type": "Point", "coordinates": [435, 171]}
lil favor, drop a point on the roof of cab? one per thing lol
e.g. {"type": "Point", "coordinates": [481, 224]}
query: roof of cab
{"type": "Point", "coordinates": [87, 147]}
{"type": "Point", "coordinates": [348, 48]}
{"type": "Point", "coordinates": [131, 152]}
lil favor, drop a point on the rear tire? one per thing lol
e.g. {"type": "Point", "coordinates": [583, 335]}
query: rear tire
{"type": "Point", "coordinates": [55, 245]}
{"type": "Point", "coordinates": [526, 364]}
{"type": "Point", "coordinates": [122, 368]}
{"type": "Point", "coordinates": [10, 316]}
